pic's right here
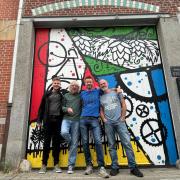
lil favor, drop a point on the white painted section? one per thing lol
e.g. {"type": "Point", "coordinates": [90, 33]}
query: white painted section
{"type": "Point", "coordinates": [69, 70]}
{"type": "Point", "coordinates": [61, 5]}
{"type": "Point", "coordinates": [138, 83]}
{"type": "Point", "coordinates": [145, 7]}
{"type": "Point", "coordinates": [86, 2]}
{"type": "Point", "coordinates": [121, 3]}
{"type": "Point", "coordinates": [39, 10]}
{"type": "Point", "coordinates": [10, 100]}
{"type": "Point", "coordinates": [56, 6]}
{"type": "Point", "coordinates": [135, 122]}
{"type": "Point", "coordinates": [157, 8]}
{"type": "Point", "coordinates": [140, 5]}
{"type": "Point", "coordinates": [130, 53]}
{"type": "Point", "coordinates": [50, 7]}
{"type": "Point", "coordinates": [127, 3]}
{"type": "Point", "coordinates": [33, 12]}
{"type": "Point", "coordinates": [44, 8]}
{"type": "Point", "coordinates": [80, 3]}
{"type": "Point", "coordinates": [134, 4]}
{"type": "Point", "coordinates": [151, 8]}
{"type": "Point", "coordinates": [68, 4]}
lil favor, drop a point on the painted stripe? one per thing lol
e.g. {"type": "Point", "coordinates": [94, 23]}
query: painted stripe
{"type": "Point", "coordinates": [77, 3]}
{"type": "Point", "coordinates": [33, 12]}
{"type": "Point", "coordinates": [80, 3]}
{"type": "Point", "coordinates": [56, 6]}
{"type": "Point", "coordinates": [157, 9]}
{"type": "Point", "coordinates": [89, 3]}
{"type": "Point", "coordinates": [86, 2]}
{"type": "Point", "coordinates": [42, 36]}
{"type": "Point", "coordinates": [44, 8]}
{"type": "Point", "coordinates": [127, 3]}
{"type": "Point", "coordinates": [98, 2]}
{"type": "Point", "coordinates": [83, 2]}
{"type": "Point", "coordinates": [133, 4]}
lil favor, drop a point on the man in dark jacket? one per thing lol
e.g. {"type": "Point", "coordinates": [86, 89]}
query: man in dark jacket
{"type": "Point", "coordinates": [50, 113]}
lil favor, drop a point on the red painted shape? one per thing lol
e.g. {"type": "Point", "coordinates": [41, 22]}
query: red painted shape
{"type": "Point", "coordinates": [39, 75]}
{"type": "Point", "coordinates": [88, 73]}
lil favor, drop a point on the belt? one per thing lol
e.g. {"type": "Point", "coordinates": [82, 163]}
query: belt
{"type": "Point", "coordinates": [89, 117]}
{"type": "Point", "coordinates": [54, 116]}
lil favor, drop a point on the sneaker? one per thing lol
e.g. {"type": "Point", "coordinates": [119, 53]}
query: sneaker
{"type": "Point", "coordinates": [70, 170]}
{"type": "Point", "coordinates": [89, 170]}
{"type": "Point", "coordinates": [57, 169]}
{"type": "Point", "coordinates": [137, 172]}
{"type": "Point", "coordinates": [114, 172]}
{"type": "Point", "coordinates": [43, 169]}
{"type": "Point", "coordinates": [103, 173]}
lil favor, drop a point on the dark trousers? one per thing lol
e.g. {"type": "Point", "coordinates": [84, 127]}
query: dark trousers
{"type": "Point", "coordinates": [51, 132]}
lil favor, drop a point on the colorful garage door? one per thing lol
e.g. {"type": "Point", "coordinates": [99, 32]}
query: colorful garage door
{"type": "Point", "coordinates": [125, 56]}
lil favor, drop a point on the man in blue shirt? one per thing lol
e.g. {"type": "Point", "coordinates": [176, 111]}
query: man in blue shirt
{"type": "Point", "coordinates": [113, 112]}
{"type": "Point", "coordinates": [89, 121]}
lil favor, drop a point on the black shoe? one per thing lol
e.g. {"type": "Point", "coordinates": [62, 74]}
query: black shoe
{"type": "Point", "coordinates": [114, 172]}
{"type": "Point", "coordinates": [137, 172]}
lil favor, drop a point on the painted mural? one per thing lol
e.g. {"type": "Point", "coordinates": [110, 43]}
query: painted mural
{"type": "Point", "coordinates": [125, 56]}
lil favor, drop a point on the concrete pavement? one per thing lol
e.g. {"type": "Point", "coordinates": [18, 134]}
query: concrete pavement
{"type": "Point", "coordinates": [149, 174]}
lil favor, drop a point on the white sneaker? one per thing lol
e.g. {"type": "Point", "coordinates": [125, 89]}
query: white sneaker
{"type": "Point", "coordinates": [70, 170]}
{"type": "Point", "coordinates": [57, 169]}
{"type": "Point", "coordinates": [43, 169]}
{"type": "Point", "coordinates": [103, 173]}
{"type": "Point", "coordinates": [89, 170]}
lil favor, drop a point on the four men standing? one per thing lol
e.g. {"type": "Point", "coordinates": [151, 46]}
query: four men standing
{"type": "Point", "coordinates": [88, 102]}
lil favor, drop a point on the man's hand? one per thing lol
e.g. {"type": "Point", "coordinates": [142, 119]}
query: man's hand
{"type": "Point", "coordinates": [119, 90]}
{"type": "Point", "coordinates": [104, 120]}
{"type": "Point", "coordinates": [123, 118]}
{"type": "Point", "coordinates": [70, 110]}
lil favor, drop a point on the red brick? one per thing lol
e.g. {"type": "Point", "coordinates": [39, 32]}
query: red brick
{"type": "Point", "coordinates": [165, 7]}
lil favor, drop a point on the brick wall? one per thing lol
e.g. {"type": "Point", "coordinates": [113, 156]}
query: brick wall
{"type": "Point", "coordinates": [8, 16]}
{"type": "Point", "coordinates": [165, 6]}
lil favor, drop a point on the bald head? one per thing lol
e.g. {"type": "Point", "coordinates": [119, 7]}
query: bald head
{"type": "Point", "coordinates": [103, 84]}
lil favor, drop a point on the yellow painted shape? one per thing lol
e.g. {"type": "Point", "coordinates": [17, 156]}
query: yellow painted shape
{"type": "Point", "coordinates": [80, 161]}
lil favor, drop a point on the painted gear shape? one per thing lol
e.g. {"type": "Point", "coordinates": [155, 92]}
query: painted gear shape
{"type": "Point", "coordinates": [155, 136]}
{"type": "Point", "coordinates": [130, 106]}
{"type": "Point", "coordinates": [142, 110]}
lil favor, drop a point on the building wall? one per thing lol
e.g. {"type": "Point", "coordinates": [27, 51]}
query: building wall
{"type": "Point", "coordinates": [98, 7]}
{"type": "Point", "coordinates": [60, 9]}
{"type": "Point", "coordinates": [8, 15]}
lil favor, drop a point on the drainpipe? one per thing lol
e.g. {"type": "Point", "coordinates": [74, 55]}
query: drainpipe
{"type": "Point", "coordinates": [10, 100]}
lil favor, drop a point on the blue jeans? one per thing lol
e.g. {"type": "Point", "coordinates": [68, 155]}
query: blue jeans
{"type": "Point", "coordinates": [94, 126]}
{"type": "Point", "coordinates": [70, 132]}
{"type": "Point", "coordinates": [123, 133]}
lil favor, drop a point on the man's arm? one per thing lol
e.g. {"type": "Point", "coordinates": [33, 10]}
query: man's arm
{"type": "Point", "coordinates": [66, 109]}
{"type": "Point", "coordinates": [41, 110]}
{"type": "Point", "coordinates": [102, 114]}
{"type": "Point", "coordinates": [123, 109]}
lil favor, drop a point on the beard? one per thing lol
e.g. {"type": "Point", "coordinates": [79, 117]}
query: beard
{"type": "Point", "coordinates": [104, 88]}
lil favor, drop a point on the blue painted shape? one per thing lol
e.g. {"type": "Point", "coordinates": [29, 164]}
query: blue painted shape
{"type": "Point", "coordinates": [158, 81]}
{"type": "Point", "coordinates": [170, 141]}
{"type": "Point", "coordinates": [110, 79]}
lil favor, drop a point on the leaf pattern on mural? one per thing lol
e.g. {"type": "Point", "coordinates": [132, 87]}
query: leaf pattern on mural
{"type": "Point", "coordinates": [131, 54]}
